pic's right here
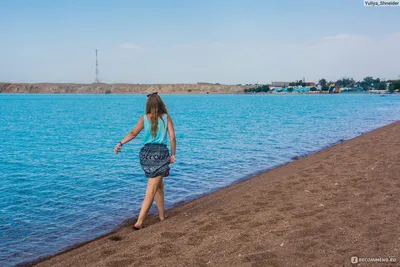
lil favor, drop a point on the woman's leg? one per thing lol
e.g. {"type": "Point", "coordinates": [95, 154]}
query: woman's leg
{"type": "Point", "coordinates": [152, 186]}
{"type": "Point", "coordinates": [160, 200]}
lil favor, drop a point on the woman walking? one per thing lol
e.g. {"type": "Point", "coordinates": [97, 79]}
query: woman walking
{"type": "Point", "coordinates": [154, 155]}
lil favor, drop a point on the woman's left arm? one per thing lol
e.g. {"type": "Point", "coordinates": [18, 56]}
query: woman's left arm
{"type": "Point", "coordinates": [131, 135]}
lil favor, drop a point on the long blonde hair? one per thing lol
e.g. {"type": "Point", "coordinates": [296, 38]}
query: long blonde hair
{"type": "Point", "coordinates": [156, 107]}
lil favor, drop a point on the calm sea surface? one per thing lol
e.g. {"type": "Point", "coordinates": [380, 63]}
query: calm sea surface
{"type": "Point", "coordinates": [61, 184]}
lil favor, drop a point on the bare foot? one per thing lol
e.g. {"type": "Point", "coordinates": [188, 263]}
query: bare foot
{"type": "Point", "coordinates": [162, 219]}
{"type": "Point", "coordinates": [137, 226]}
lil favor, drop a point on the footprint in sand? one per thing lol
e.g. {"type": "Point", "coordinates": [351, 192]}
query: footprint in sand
{"type": "Point", "coordinates": [227, 218]}
{"type": "Point", "coordinates": [166, 249]}
{"type": "Point", "coordinates": [108, 252]}
{"type": "Point", "coordinates": [172, 234]}
{"type": "Point", "coordinates": [115, 238]}
{"type": "Point", "coordinates": [122, 262]}
{"type": "Point", "coordinates": [207, 228]}
{"type": "Point", "coordinates": [196, 239]}
{"type": "Point", "coordinates": [199, 223]}
{"type": "Point", "coordinates": [145, 248]}
{"type": "Point", "coordinates": [287, 208]}
{"type": "Point", "coordinates": [260, 203]}
{"type": "Point", "coordinates": [259, 257]}
{"type": "Point", "coordinates": [242, 212]}
{"type": "Point", "coordinates": [305, 214]}
{"type": "Point", "coordinates": [255, 224]}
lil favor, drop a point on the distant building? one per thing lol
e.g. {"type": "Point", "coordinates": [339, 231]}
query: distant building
{"type": "Point", "coordinates": [280, 84]}
{"type": "Point", "coordinates": [276, 89]}
{"type": "Point", "coordinates": [311, 84]}
{"type": "Point", "coordinates": [284, 84]}
{"type": "Point", "coordinates": [204, 83]}
{"type": "Point", "coordinates": [301, 89]}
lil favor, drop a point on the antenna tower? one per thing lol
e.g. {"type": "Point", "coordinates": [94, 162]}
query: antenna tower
{"type": "Point", "coordinates": [97, 70]}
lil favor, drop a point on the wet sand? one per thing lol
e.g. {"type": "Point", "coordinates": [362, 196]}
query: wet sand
{"type": "Point", "coordinates": [319, 210]}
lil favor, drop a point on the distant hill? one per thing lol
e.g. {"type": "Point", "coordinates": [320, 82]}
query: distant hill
{"type": "Point", "coordinates": [119, 88]}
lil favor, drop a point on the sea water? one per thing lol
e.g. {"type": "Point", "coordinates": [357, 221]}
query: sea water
{"type": "Point", "coordinates": [62, 184]}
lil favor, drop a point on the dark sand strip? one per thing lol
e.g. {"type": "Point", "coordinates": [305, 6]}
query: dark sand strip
{"type": "Point", "coordinates": [316, 211]}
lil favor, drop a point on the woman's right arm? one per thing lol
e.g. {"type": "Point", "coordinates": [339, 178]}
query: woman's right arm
{"type": "Point", "coordinates": [131, 135]}
{"type": "Point", "coordinates": [172, 138]}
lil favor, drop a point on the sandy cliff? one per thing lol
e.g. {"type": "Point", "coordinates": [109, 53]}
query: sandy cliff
{"type": "Point", "coordinates": [102, 88]}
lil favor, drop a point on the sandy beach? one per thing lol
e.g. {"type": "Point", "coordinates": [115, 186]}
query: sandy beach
{"type": "Point", "coordinates": [319, 210]}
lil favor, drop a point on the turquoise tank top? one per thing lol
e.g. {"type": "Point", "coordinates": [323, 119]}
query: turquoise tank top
{"type": "Point", "coordinates": [162, 131]}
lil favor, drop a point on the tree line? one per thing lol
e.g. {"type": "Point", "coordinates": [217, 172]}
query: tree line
{"type": "Point", "coordinates": [368, 83]}
{"type": "Point", "coordinates": [258, 89]}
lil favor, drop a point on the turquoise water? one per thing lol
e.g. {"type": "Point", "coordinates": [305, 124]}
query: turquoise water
{"type": "Point", "coordinates": [61, 183]}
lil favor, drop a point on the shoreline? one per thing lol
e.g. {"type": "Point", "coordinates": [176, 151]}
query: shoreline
{"type": "Point", "coordinates": [152, 218]}
{"type": "Point", "coordinates": [199, 93]}
{"type": "Point", "coordinates": [125, 88]}
{"type": "Point", "coordinates": [177, 212]}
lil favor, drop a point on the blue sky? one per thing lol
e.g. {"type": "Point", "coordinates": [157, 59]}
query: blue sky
{"type": "Point", "coordinates": [196, 41]}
